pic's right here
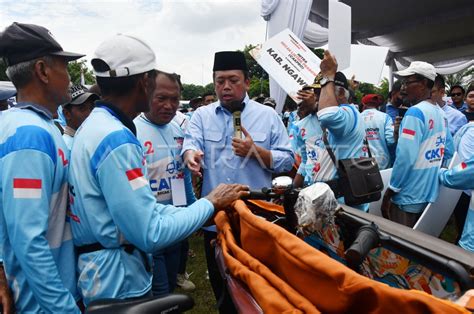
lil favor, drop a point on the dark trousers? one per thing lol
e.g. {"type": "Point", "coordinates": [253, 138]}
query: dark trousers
{"type": "Point", "coordinates": [402, 217]}
{"type": "Point", "coordinates": [184, 257]}
{"type": "Point", "coordinates": [165, 270]}
{"type": "Point", "coordinates": [460, 213]}
{"type": "Point", "coordinates": [224, 302]}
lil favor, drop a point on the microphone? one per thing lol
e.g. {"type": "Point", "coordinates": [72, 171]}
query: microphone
{"type": "Point", "coordinates": [236, 108]}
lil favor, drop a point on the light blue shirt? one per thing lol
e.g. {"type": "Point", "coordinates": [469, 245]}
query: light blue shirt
{"type": "Point", "coordinates": [211, 130]}
{"type": "Point", "coordinates": [345, 135]}
{"type": "Point", "coordinates": [456, 118]}
{"type": "Point", "coordinates": [112, 204]}
{"type": "Point", "coordinates": [463, 108]}
{"type": "Point", "coordinates": [316, 164]}
{"type": "Point", "coordinates": [35, 233]}
{"type": "Point", "coordinates": [460, 177]}
{"type": "Point", "coordinates": [392, 111]}
{"type": "Point", "coordinates": [379, 132]}
{"type": "Point", "coordinates": [162, 146]}
{"type": "Point", "coordinates": [424, 141]}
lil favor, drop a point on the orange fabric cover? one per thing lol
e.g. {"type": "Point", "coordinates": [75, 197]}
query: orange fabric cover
{"type": "Point", "coordinates": [286, 275]}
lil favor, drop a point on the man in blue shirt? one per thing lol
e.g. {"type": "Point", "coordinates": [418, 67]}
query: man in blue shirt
{"type": "Point", "coordinates": [395, 101]}
{"type": "Point", "coordinates": [35, 234]}
{"type": "Point", "coordinates": [76, 111]}
{"type": "Point", "coordinates": [263, 149]}
{"type": "Point", "coordinates": [457, 93]}
{"type": "Point", "coordinates": [456, 118]}
{"type": "Point", "coordinates": [460, 177]}
{"type": "Point", "coordinates": [344, 125]}
{"type": "Point", "coordinates": [115, 217]}
{"type": "Point", "coordinates": [378, 130]}
{"type": "Point", "coordinates": [422, 144]}
{"type": "Point", "coordinates": [162, 140]}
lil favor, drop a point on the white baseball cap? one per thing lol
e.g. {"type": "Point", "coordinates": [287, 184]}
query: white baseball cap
{"type": "Point", "coordinates": [419, 67]}
{"type": "Point", "coordinates": [125, 55]}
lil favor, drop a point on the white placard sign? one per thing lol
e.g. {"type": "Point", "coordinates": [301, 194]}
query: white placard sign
{"type": "Point", "coordinates": [340, 33]}
{"type": "Point", "coordinates": [288, 61]}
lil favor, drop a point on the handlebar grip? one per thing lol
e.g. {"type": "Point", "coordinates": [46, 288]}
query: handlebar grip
{"type": "Point", "coordinates": [258, 195]}
{"type": "Point", "coordinates": [367, 239]}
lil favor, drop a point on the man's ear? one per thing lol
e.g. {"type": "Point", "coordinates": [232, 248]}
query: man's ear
{"type": "Point", "coordinates": [42, 71]}
{"type": "Point", "coordinates": [67, 114]}
{"type": "Point", "coordinates": [247, 84]}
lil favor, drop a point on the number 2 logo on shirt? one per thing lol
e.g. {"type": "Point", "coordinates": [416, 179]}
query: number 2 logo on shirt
{"type": "Point", "coordinates": [63, 157]}
{"type": "Point", "coordinates": [431, 123]}
{"type": "Point", "coordinates": [149, 146]}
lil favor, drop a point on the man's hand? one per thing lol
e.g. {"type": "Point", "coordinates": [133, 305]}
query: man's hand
{"type": "Point", "coordinates": [386, 203]}
{"type": "Point", "coordinates": [308, 99]}
{"type": "Point", "coordinates": [244, 147]}
{"type": "Point", "coordinates": [192, 159]}
{"type": "Point", "coordinates": [328, 64]}
{"type": "Point", "coordinates": [225, 194]}
{"type": "Point", "coordinates": [353, 83]}
{"type": "Point", "coordinates": [6, 299]}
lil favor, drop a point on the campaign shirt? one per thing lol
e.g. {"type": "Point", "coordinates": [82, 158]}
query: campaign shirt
{"type": "Point", "coordinates": [456, 119]}
{"type": "Point", "coordinates": [460, 177]}
{"type": "Point", "coordinates": [379, 133]}
{"type": "Point", "coordinates": [424, 140]}
{"type": "Point", "coordinates": [345, 134]}
{"type": "Point", "coordinates": [112, 203]}
{"type": "Point", "coordinates": [316, 164]}
{"type": "Point", "coordinates": [162, 146]}
{"type": "Point", "coordinates": [35, 234]}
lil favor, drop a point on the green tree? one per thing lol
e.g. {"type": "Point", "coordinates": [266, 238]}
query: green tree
{"type": "Point", "coordinates": [255, 70]}
{"type": "Point", "coordinates": [191, 91]}
{"type": "Point", "coordinates": [259, 86]}
{"type": "Point", "coordinates": [463, 78]}
{"type": "Point", "coordinates": [3, 68]}
{"type": "Point", "coordinates": [319, 52]}
{"type": "Point", "coordinates": [75, 67]}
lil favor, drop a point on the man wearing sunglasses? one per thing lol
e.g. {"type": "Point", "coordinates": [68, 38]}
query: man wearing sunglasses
{"type": "Point", "coordinates": [457, 93]}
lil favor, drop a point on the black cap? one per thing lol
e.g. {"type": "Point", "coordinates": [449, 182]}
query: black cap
{"type": "Point", "coordinates": [24, 42]}
{"type": "Point", "coordinates": [229, 60]}
{"type": "Point", "coordinates": [80, 95]}
{"type": "Point", "coordinates": [340, 80]}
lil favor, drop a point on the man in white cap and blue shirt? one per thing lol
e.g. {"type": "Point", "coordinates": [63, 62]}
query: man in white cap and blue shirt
{"type": "Point", "coordinates": [115, 218]}
{"type": "Point", "coordinates": [35, 235]}
{"type": "Point", "coordinates": [424, 140]}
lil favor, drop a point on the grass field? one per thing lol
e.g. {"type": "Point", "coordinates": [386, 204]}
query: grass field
{"type": "Point", "coordinates": [203, 296]}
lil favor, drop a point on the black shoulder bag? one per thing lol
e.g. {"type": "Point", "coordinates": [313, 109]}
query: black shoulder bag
{"type": "Point", "coordinates": [359, 179]}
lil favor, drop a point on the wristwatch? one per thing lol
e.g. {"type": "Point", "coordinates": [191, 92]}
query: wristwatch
{"type": "Point", "coordinates": [325, 80]}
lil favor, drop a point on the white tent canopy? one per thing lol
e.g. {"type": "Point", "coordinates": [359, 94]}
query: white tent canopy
{"type": "Point", "coordinates": [435, 31]}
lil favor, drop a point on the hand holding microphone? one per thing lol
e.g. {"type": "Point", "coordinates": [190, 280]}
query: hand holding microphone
{"type": "Point", "coordinates": [236, 108]}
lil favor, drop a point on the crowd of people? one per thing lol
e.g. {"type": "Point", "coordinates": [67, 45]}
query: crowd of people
{"type": "Point", "coordinates": [101, 187]}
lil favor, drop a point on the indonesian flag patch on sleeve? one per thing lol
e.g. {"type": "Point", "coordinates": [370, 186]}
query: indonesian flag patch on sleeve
{"type": "Point", "coordinates": [136, 178]}
{"type": "Point", "coordinates": [27, 188]}
{"type": "Point", "coordinates": [408, 134]}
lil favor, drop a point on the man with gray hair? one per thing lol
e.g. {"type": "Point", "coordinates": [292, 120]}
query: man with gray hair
{"type": "Point", "coordinates": [35, 235]}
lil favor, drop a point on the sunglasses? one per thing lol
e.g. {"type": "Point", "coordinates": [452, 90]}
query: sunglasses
{"type": "Point", "coordinates": [455, 94]}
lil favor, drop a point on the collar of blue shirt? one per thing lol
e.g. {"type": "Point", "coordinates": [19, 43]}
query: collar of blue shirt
{"type": "Point", "coordinates": [220, 107]}
{"type": "Point", "coordinates": [36, 108]}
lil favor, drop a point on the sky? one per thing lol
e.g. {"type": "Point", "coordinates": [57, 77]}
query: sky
{"type": "Point", "coordinates": [184, 34]}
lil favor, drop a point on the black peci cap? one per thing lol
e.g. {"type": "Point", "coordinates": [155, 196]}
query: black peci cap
{"type": "Point", "coordinates": [24, 42]}
{"type": "Point", "coordinates": [340, 80]}
{"type": "Point", "coordinates": [229, 60]}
